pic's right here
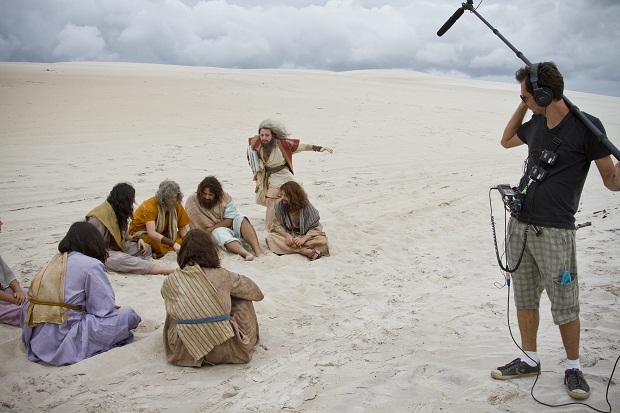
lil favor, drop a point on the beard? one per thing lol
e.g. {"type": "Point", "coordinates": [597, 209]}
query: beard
{"type": "Point", "coordinates": [208, 204]}
{"type": "Point", "coordinates": [269, 145]}
{"type": "Point", "coordinates": [286, 206]}
{"type": "Point", "coordinates": [170, 206]}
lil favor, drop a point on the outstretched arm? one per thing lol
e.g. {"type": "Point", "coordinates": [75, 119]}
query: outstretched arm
{"type": "Point", "coordinates": [317, 148]}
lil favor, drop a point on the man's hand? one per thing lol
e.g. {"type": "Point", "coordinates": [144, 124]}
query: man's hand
{"type": "Point", "coordinates": [300, 241]}
{"type": "Point", "coordinates": [141, 246]}
{"type": "Point", "coordinates": [19, 297]}
{"type": "Point", "coordinates": [288, 238]}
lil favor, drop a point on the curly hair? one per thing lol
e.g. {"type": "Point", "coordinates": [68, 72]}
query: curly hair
{"type": "Point", "coordinates": [85, 238]}
{"type": "Point", "coordinates": [198, 248]}
{"type": "Point", "coordinates": [277, 128]}
{"type": "Point", "coordinates": [121, 198]}
{"type": "Point", "coordinates": [548, 76]}
{"type": "Point", "coordinates": [297, 197]}
{"type": "Point", "coordinates": [214, 186]}
{"type": "Point", "coordinates": [166, 189]}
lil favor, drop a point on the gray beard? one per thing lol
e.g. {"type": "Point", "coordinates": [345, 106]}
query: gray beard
{"type": "Point", "coordinates": [171, 207]}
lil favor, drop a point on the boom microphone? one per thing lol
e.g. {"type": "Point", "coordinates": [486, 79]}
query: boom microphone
{"type": "Point", "coordinates": [446, 26]}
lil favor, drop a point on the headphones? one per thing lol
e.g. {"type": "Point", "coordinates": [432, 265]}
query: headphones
{"type": "Point", "coordinates": [543, 96]}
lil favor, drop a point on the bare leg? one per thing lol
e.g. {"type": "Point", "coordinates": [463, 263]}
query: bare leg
{"type": "Point", "coordinates": [570, 338]}
{"type": "Point", "coordinates": [528, 326]}
{"type": "Point", "coordinates": [249, 235]}
{"type": "Point", "coordinates": [237, 248]}
{"type": "Point", "coordinates": [272, 197]}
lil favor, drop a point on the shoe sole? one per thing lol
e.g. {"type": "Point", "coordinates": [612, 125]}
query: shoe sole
{"type": "Point", "coordinates": [578, 395]}
{"type": "Point", "coordinates": [497, 375]}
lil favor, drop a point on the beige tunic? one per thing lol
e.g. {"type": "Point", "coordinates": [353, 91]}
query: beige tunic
{"type": "Point", "coordinates": [236, 293]}
{"type": "Point", "coordinates": [266, 180]}
{"type": "Point", "coordinates": [277, 244]}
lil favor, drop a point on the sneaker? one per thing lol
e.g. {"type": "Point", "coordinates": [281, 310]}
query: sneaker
{"type": "Point", "coordinates": [515, 369]}
{"type": "Point", "coordinates": [577, 385]}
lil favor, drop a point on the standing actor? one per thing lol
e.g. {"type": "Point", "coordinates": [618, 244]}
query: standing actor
{"type": "Point", "coordinates": [275, 150]}
{"type": "Point", "coordinates": [552, 193]}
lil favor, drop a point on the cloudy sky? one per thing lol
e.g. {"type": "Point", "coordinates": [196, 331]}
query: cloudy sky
{"type": "Point", "coordinates": [582, 37]}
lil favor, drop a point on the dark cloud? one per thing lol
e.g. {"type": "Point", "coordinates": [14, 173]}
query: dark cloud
{"type": "Point", "coordinates": [333, 35]}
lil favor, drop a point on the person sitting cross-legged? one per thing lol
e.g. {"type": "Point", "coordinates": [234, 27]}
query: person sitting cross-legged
{"type": "Point", "coordinates": [297, 229]}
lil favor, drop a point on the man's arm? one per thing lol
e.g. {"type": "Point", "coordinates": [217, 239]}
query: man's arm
{"type": "Point", "coordinates": [317, 148]}
{"type": "Point", "coordinates": [226, 223]}
{"type": "Point", "coordinates": [157, 237]}
{"type": "Point", "coordinates": [510, 138]}
{"type": "Point", "coordinates": [230, 213]}
{"type": "Point", "coordinates": [609, 172]}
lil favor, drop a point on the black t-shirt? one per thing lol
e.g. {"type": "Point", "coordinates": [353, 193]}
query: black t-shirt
{"type": "Point", "coordinates": [554, 201]}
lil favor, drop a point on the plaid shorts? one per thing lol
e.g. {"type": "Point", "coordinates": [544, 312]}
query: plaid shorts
{"type": "Point", "coordinates": [544, 260]}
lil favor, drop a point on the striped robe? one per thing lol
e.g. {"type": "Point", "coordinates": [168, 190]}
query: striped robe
{"type": "Point", "coordinates": [195, 293]}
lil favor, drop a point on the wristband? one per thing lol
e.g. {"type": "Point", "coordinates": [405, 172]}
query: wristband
{"type": "Point", "coordinates": [316, 148]}
{"type": "Point", "coordinates": [167, 241]}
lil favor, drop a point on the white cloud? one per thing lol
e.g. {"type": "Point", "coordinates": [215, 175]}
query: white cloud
{"type": "Point", "coordinates": [328, 34]}
{"type": "Point", "coordinates": [81, 43]}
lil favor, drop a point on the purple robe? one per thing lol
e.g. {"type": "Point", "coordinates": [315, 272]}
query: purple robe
{"type": "Point", "coordinates": [95, 329]}
{"type": "Point", "coordinates": [9, 312]}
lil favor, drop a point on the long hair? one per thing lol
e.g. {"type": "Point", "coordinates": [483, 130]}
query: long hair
{"type": "Point", "coordinates": [214, 186]}
{"type": "Point", "coordinates": [277, 128]}
{"type": "Point", "coordinates": [85, 238]}
{"type": "Point", "coordinates": [168, 188]}
{"type": "Point", "coordinates": [198, 248]}
{"type": "Point", "coordinates": [297, 197]}
{"type": "Point", "coordinates": [548, 76]}
{"type": "Point", "coordinates": [121, 198]}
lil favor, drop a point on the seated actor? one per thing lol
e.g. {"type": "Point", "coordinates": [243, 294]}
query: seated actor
{"type": "Point", "coordinates": [71, 313]}
{"type": "Point", "coordinates": [297, 229]}
{"type": "Point", "coordinates": [12, 295]}
{"type": "Point", "coordinates": [210, 317]}
{"type": "Point", "coordinates": [215, 212]}
{"type": "Point", "coordinates": [161, 221]}
{"type": "Point", "coordinates": [111, 218]}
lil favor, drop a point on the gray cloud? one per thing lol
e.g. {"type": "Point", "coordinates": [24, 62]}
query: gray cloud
{"type": "Point", "coordinates": [328, 35]}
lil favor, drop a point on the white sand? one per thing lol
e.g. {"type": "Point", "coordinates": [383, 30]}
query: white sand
{"type": "Point", "coordinates": [405, 315]}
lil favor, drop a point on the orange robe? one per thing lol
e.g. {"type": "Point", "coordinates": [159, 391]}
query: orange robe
{"type": "Point", "coordinates": [148, 212]}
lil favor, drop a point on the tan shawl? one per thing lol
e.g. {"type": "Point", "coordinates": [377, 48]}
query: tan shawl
{"type": "Point", "coordinates": [47, 294]}
{"type": "Point", "coordinates": [173, 222]}
{"type": "Point", "coordinates": [203, 218]}
{"type": "Point", "coordinates": [105, 213]}
{"type": "Point", "coordinates": [189, 296]}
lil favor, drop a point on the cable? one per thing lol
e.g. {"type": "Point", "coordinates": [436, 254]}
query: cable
{"type": "Point", "coordinates": [499, 260]}
{"type": "Point", "coordinates": [539, 370]}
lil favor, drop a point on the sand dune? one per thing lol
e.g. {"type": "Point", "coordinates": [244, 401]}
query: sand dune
{"type": "Point", "coordinates": [406, 315]}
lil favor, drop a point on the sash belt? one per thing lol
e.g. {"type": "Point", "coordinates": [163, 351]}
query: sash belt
{"type": "Point", "coordinates": [205, 320]}
{"type": "Point", "coordinates": [274, 169]}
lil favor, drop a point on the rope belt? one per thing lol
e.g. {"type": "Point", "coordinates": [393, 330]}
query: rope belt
{"type": "Point", "coordinates": [205, 320]}
{"type": "Point", "coordinates": [65, 305]}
